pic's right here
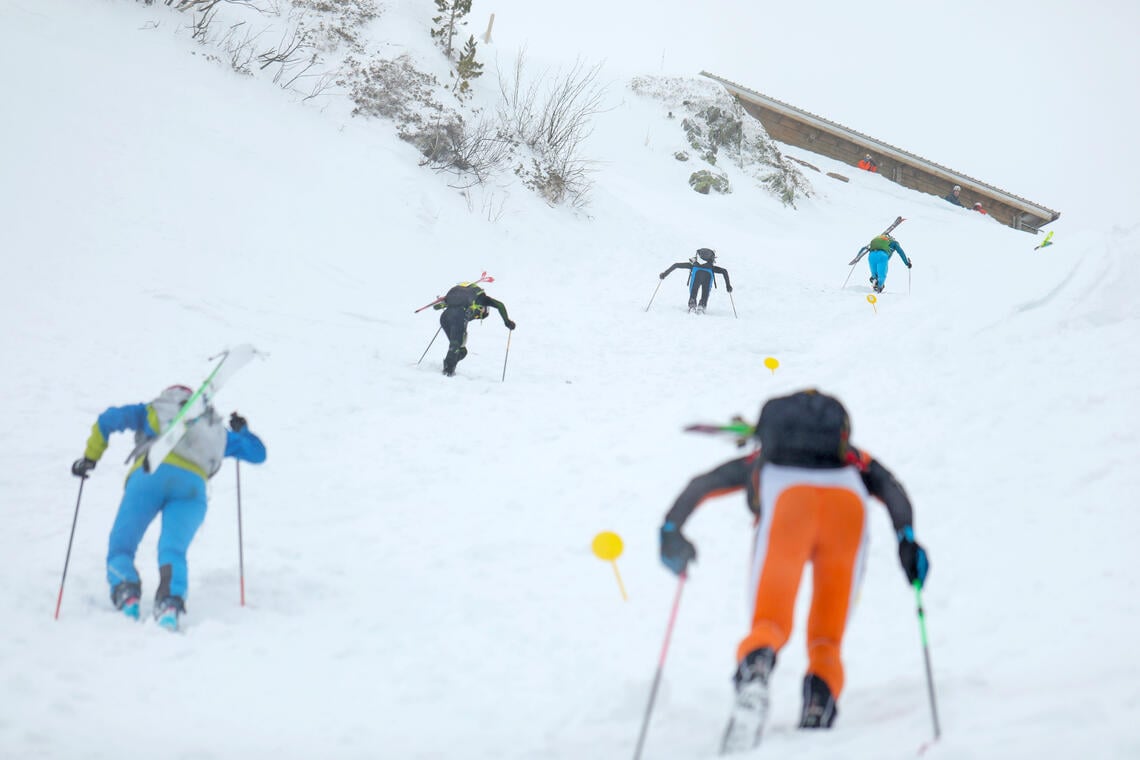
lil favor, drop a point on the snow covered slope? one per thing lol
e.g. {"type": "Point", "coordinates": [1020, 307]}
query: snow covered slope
{"type": "Point", "coordinates": [417, 548]}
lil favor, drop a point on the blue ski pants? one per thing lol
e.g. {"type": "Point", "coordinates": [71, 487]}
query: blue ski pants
{"type": "Point", "coordinates": [180, 495]}
{"type": "Point", "coordinates": [878, 263]}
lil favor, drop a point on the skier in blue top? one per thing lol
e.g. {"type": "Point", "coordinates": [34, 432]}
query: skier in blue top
{"type": "Point", "coordinates": [176, 488]}
{"type": "Point", "coordinates": [702, 275]}
{"type": "Point", "coordinates": [880, 249]}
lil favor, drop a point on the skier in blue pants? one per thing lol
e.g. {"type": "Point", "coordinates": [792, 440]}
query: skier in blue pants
{"type": "Point", "coordinates": [176, 489]}
{"type": "Point", "coordinates": [881, 249]}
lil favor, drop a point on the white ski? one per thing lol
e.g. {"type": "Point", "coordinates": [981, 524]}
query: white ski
{"type": "Point", "coordinates": [231, 361]}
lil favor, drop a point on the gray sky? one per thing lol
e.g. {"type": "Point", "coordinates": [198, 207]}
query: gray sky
{"type": "Point", "coordinates": [1038, 97]}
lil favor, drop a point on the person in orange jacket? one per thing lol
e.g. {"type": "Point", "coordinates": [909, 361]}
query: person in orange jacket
{"type": "Point", "coordinates": [868, 164]}
{"type": "Point", "coordinates": [807, 487]}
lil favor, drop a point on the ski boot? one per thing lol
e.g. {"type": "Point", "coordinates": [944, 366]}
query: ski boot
{"type": "Point", "coordinates": [168, 611]}
{"type": "Point", "coordinates": [819, 709]}
{"type": "Point", "coordinates": [125, 597]}
{"type": "Point", "coordinates": [750, 709]}
{"type": "Point", "coordinates": [700, 309]}
{"type": "Point", "coordinates": [692, 305]}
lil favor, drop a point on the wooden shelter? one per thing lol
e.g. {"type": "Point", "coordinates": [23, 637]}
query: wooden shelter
{"type": "Point", "coordinates": [788, 124]}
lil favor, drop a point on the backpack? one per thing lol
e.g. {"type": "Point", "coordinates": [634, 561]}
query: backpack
{"type": "Point", "coordinates": [462, 295]}
{"type": "Point", "coordinates": [805, 429]}
{"type": "Point", "coordinates": [881, 243]}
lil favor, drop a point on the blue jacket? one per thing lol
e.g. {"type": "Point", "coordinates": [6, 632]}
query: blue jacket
{"type": "Point", "coordinates": [144, 421]}
{"type": "Point", "coordinates": [896, 248]}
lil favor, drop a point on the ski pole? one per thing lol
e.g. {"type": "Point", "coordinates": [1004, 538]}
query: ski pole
{"type": "Point", "coordinates": [508, 353]}
{"type": "Point", "coordinates": [660, 667]}
{"type": "Point", "coordinates": [908, 281]}
{"type": "Point", "coordinates": [241, 552]}
{"type": "Point", "coordinates": [849, 275]}
{"type": "Point", "coordinates": [67, 558]}
{"type": "Point", "coordinates": [732, 301]}
{"type": "Point", "coordinates": [926, 657]}
{"type": "Point", "coordinates": [429, 345]}
{"type": "Point", "coordinates": [654, 295]}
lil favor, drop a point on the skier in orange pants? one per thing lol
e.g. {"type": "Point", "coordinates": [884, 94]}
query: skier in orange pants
{"type": "Point", "coordinates": [807, 486]}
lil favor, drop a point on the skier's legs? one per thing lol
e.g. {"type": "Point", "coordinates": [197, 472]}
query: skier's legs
{"type": "Point", "coordinates": [693, 283]}
{"type": "Point", "coordinates": [181, 517]}
{"type": "Point", "coordinates": [704, 281]}
{"type": "Point", "coordinates": [784, 541]}
{"type": "Point", "coordinates": [837, 568]}
{"type": "Point", "coordinates": [877, 260]}
{"type": "Point", "coordinates": [453, 320]}
{"type": "Point", "coordinates": [142, 498]}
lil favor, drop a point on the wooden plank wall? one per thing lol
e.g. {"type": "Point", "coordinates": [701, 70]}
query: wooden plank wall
{"type": "Point", "coordinates": [796, 133]}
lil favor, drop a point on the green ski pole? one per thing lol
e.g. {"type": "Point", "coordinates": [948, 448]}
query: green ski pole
{"type": "Point", "coordinates": [926, 657]}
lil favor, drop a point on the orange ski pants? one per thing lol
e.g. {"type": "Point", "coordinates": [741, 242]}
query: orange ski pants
{"type": "Point", "coordinates": [815, 516]}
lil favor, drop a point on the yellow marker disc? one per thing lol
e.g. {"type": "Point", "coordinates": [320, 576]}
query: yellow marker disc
{"type": "Point", "coordinates": [771, 363]}
{"type": "Point", "coordinates": [607, 546]}
{"type": "Point", "coordinates": [871, 299]}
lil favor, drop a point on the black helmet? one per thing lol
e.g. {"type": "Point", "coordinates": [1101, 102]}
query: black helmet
{"type": "Point", "coordinates": [708, 255]}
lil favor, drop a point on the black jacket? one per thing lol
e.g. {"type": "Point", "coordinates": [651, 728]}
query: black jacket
{"type": "Point", "coordinates": [695, 266]}
{"type": "Point", "coordinates": [745, 472]}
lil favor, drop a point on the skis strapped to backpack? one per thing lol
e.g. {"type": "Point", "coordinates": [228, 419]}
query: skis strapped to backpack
{"type": "Point", "coordinates": [887, 231]}
{"type": "Point", "coordinates": [440, 299]}
{"type": "Point", "coordinates": [158, 448]}
{"type": "Point", "coordinates": [738, 428]}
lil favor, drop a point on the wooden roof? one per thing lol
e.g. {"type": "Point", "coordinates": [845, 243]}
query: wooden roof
{"type": "Point", "coordinates": [788, 124]}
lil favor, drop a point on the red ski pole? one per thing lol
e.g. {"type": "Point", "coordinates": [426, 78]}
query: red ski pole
{"type": "Point", "coordinates": [660, 667]}
{"type": "Point", "coordinates": [67, 558]}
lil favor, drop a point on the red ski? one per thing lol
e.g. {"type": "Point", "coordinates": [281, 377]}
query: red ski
{"type": "Point", "coordinates": [482, 278]}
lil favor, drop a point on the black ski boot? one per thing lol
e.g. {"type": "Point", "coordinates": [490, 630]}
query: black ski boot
{"type": "Point", "coordinates": [125, 597]}
{"type": "Point", "coordinates": [167, 608]}
{"type": "Point", "coordinates": [819, 709]}
{"type": "Point", "coordinates": [750, 708]}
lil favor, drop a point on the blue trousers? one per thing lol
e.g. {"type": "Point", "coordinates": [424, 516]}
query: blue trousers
{"type": "Point", "coordinates": [180, 496]}
{"type": "Point", "coordinates": [878, 262]}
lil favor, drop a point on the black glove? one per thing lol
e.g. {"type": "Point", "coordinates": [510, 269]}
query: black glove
{"type": "Point", "coordinates": [729, 288]}
{"type": "Point", "coordinates": [908, 265]}
{"type": "Point", "coordinates": [676, 550]}
{"type": "Point", "coordinates": [80, 467]}
{"type": "Point", "coordinates": [661, 276]}
{"type": "Point", "coordinates": [510, 324]}
{"type": "Point", "coordinates": [237, 422]}
{"type": "Point", "coordinates": [913, 557]}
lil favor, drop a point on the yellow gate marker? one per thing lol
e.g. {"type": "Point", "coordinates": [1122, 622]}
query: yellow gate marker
{"type": "Point", "coordinates": [871, 300]}
{"type": "Point", "coordinates": [607, 546]}
{"type": "Point", "coordinates": [771, 363]}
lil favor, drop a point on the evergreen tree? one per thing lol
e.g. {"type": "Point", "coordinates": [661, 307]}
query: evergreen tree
{"type": "Point", "coordinates": [468, 68]}
{"type": "Point", "coordinates": [450, 18]}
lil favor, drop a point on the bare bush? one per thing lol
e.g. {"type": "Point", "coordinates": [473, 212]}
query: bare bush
{"type": "Point", "coordinates": [554, 128]}
{"type": "Point", "coordinates": [478, 149]}
{"type": "Point", "coordinates": [335, 22]}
